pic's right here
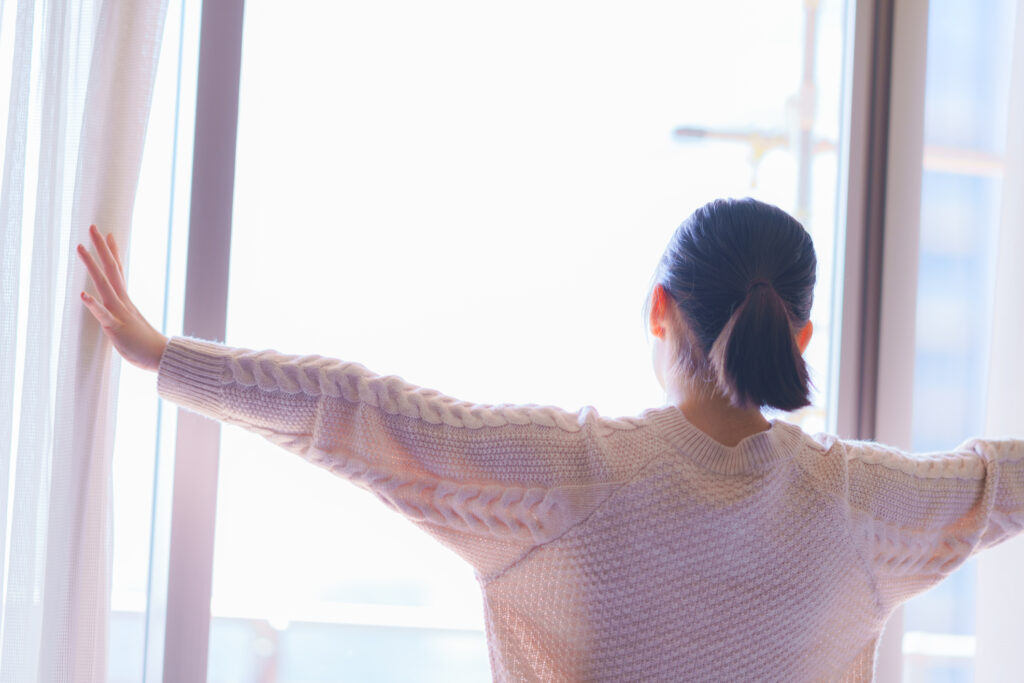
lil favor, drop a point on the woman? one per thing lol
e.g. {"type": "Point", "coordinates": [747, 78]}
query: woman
{"type": "Point", "coordinates": [696, 541]}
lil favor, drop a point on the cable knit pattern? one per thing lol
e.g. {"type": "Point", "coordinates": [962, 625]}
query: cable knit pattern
{"type": "Point", "coordinates": [635, 548]}
{"type": "Point", "coordinates": [922, 516]}
{"type": "Point", "coordinates": [318, 376]}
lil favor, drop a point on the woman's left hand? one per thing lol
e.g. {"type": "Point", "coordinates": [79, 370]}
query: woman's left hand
{"type": "Point", "coordinates": [131, 334]}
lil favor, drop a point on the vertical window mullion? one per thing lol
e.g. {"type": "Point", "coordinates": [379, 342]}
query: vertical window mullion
{"type": "Point", "coordinates": [900, 248]}
{"type": "Point", "coordinates": [864, 149]}
{"type": "Point", "coordinates": [883, 147]}
{"type": "Point", "coordinates": [193, 508]}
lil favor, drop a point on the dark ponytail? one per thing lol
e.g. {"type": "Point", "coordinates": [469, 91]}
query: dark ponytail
{"type": "Point", "coordinates": [742, 275]}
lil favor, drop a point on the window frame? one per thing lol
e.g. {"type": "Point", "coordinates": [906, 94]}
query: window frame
{"type": "Point", "coordinates": [179, 608]}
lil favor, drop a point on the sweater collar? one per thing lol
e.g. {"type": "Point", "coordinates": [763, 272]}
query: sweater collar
{"type": "Point", "coordinates": [755, 453]}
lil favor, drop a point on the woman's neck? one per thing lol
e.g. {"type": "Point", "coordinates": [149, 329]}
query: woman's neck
{"type": "Point", "coordinates": [713, 414]}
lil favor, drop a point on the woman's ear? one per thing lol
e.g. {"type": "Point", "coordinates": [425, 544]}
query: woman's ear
{"type": "Point", "coordinates": [803, 337]}
{"type": "Point", "coordinates": [658, 310]}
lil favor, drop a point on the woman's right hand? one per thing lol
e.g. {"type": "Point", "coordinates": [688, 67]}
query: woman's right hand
{"type": "Point", "coordinates": [133, 337]}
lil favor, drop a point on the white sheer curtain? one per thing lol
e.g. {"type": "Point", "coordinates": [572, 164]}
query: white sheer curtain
{"type": "Point", "coordinates": [80, 77]}
{"type": "Point", "coordinates": [1000, 605]}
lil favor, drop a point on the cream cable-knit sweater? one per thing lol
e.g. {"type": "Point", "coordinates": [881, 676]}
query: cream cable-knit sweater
{"type": "Point", "coordinates": [634, 549]}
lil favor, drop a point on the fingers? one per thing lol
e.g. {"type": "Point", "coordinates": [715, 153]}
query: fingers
{"type": "Point", "coordinates": [101, 314]}
{"type": "Point", "coordinates": [111, 266]}
{"type": "Point", "coordinates": [107, 294]}
{"type": "Point", "coordinates": [112, 243]}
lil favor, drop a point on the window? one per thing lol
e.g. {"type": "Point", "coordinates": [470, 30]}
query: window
{"type": "Point", "coordinates": [966, 95]}
{"type": "Point", "coordinates": [475, 198]}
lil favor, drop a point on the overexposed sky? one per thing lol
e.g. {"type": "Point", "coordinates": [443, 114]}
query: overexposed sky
{"type": "Point", "coordinates": [472, 196]}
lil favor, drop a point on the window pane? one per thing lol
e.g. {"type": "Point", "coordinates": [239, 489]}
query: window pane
{"type": "Point", "coordinates": [474, 197]}
{"type": "Point", "coordinates": [968, 78]}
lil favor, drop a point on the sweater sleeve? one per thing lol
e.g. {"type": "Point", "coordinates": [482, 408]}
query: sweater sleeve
{"type": "Point", "coordinates": [919, 517]}
{"type": "Point", "coordinates": [489, 481]}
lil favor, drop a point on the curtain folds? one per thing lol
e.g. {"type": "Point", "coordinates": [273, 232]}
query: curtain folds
{"type": "Point", "coordinates": [80, 85]}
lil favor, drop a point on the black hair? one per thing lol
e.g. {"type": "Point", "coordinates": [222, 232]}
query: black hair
{"type": "Point", "coordinates": [741, 273]}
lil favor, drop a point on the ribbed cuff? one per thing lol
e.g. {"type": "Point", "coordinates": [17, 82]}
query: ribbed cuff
{"type": "Point", "coordinates": [191, 373]}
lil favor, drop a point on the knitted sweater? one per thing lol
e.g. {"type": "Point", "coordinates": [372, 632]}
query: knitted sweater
{"type": "Point", "coordinates": [633, 548]}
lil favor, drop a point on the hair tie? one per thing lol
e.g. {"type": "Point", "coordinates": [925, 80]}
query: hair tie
{"type": "Point", "coordinates": [757, 282]}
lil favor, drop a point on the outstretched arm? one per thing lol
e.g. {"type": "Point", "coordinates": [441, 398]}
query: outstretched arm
{"type": "Point", "coordinates": [489, 481]}
{"type": "Point", "coordinates": [130, 333]}
{"type": "Point", "coordinates": [919, 517]}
